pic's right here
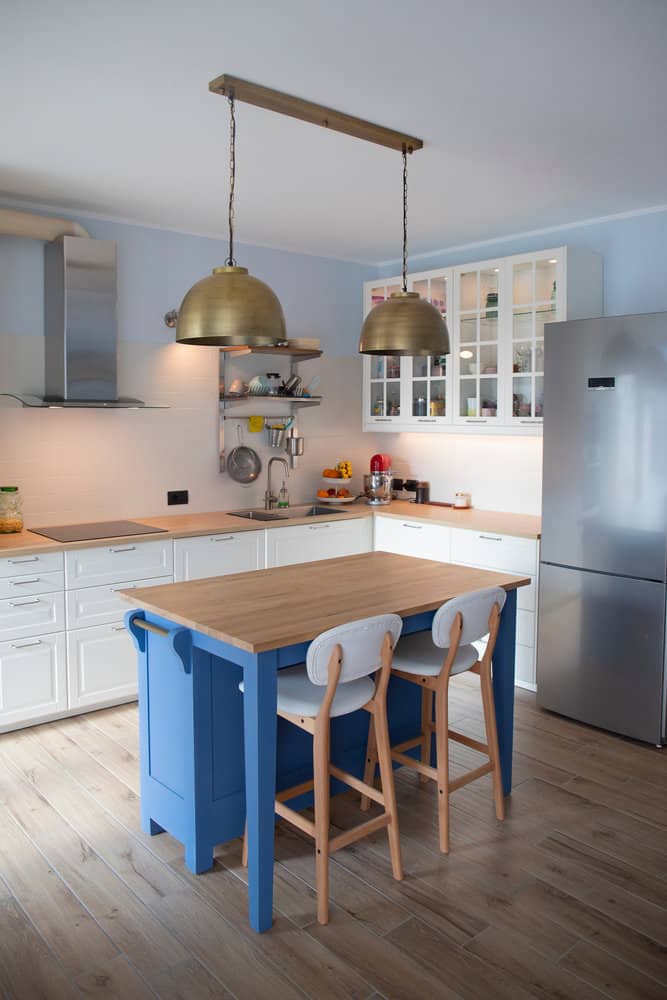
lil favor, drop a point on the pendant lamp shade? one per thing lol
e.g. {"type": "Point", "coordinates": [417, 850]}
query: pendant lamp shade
{"type": "Point", "coordinates": [404, 325]}
{"type": "Point", "coordinates": [230, 309]}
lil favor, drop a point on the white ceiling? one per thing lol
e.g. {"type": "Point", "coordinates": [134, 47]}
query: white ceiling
{"type": "Point", "coordinates": [533, 114]}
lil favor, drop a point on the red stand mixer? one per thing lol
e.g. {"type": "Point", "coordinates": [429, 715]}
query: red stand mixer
{"type": "Point", "coordinates": [377, 483]}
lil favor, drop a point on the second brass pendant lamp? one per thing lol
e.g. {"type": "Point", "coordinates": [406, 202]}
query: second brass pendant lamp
{"type": "Point", "coordinates": [231, 309]}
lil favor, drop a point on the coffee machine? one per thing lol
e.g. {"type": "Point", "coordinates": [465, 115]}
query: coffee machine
{"type": "Point", "coordinates": [377, 483]}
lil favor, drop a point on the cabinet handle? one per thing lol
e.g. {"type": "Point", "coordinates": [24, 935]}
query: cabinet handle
{"type": "Point", "coordinates": [126, 548]}
{"type": "Point", "coordinates": [22, 583]}
{"type": "Point", "coordinates": [491, 538]}
{"type": "Point", "coordinates": [27, 642]}
{"type": "Point", "coordinates": [475, 420]}
{"type": "Point", "coordinates": [316, 527]}
{"type": "Point", "coordinates": [23, 604]}
{"type": "Point", "coordinates": [117, 628]}
{"type": "Point", "coordinates": [382, 420]}
{"type": "Point", "coordinates": [532, 422]}
{"type": "Point", "coordinates": [17, 562]}
{"type": "Point", "coordinates": [416, 527]}
{"type": "Point", "coordinates": [427, 420]}
{"type": "Point", "coordinates": [123, 586]}
{"type": "Point", "coordinates": [223, 538]}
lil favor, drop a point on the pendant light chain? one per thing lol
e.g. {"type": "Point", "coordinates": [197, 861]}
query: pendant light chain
{"type": "Point", "coordinates": [230, 262]}
{"type": "Point", "coordinates": [405, 219]}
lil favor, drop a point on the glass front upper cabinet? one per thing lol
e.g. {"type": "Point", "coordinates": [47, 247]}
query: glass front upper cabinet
{"type": "Point", "coordinates": [428, 377]}
{"type": "Point", "coordinates": [383, 402]}
{"type": "Point", "coordinates": [478, 361]}
{"type": "Point", "coordinates": [535, 297]}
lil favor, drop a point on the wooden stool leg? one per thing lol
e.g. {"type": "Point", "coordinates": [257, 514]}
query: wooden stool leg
{"type": "Point", "coordinates": [371, 762]}
{"type": "Point", "coordinates": [427, 718]}
{"type": "Point", "coordinates": [442, 764]}
{"type": "Point", "coordinates": [388, 787]}
{"type": "Point", "coordinates": [492, 739]}
{"type": "Point", "coordinates": [322, 810]}
{"type": "Point", "coordinates": [244, 850]}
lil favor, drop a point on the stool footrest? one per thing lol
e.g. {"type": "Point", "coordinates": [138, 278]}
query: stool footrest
{"type": "Point", "coordinates": [468, 741]}
{"type": "Point", "coordinates": [357, 832]}
{"type": "Point", "coordinates": [416, 765]}
{"type": "Point", "coordinates": [292, 816]}
{"type": "Point", "coordinates": [359, 786]}
{"type": "Point", "coordinates": [291, 793]}
{"type": "Point", "coordinates": [408, 744]}
{"type": "Point", "coordinates": [465, 779]}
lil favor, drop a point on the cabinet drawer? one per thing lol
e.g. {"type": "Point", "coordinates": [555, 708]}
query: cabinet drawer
{"type": "Point", "coordinates": [30, 616]}
{"type": "Point", "coordinates": [102, 665]}
{"type": "Point", "coordinates": [31, 583]}
{"type": "Point", "coordinates": [413, 538]}
{"type": "Point", "coordinates": [118, 563]}
{"type": "Point", "coordinates": [33, 679]}
{"type": "Point", "coordinates": [492, 551]}
{"type": "Point", "coordinates": [301, 543]}
{"type": "Point", "coordinates": [219, 555]}
{"type": "Point", "coordinates": [18, 565]}
{"type": "Point", "coordinates": [102, 605]}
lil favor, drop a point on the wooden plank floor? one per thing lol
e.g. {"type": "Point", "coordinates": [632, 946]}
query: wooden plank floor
{"type": "Point", "coordinates": [566, 899]}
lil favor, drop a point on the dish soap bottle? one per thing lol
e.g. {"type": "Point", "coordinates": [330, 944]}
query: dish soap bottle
{"type": "Point", "coordinates": [283, 496]}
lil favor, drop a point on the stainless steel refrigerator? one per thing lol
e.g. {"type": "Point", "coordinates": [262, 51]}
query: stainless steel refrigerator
{"type": "Point", "coordinates": [603, 568]}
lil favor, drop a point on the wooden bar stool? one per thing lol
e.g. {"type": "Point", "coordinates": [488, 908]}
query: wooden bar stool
{"type": "Point", "coordinates": [430, 661]}
{"type": "Point", "coordinates": [334, 681]}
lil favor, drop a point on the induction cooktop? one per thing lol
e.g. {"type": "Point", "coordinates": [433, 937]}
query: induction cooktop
{"type": "Point", "coordinates": [98, 529]}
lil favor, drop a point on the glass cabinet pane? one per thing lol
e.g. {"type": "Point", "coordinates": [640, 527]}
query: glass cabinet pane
{"type": "Point", "coordinates": [438, 398]}
{"type": "Point", "coordinates": [393, 366]}
{"type": "Point", "coordinates": [468, 393]}
{"type": "Point", "coordinates": [542, 316]}
{"type": "Point", "coordinates": [469, 291]}
{"type": "Point", "coordinates": [377, 366]}
{"type": "Point", "coordinates": [377, 399]}
{"type": "Point", "coordinates": [488, 393]}
{"type": "Point", "coordinates": [522, 397]}
{"type": "Point", "coordinates": [393, 399]}
{"type": "Point", "coordinates": [419, 367]}
{"type": "Point", "coordinates": [488, 359]}
{"type": "Point", "coordinates": [545, 280]}
{"type": "Point", "coordinates": [419, 399]}
{"type": "Point", "coordinates": [439, 294]}
{"type": "Point", "coordinates": [522, 356]}
{"type": "Point", "coordinates": [522, 284]}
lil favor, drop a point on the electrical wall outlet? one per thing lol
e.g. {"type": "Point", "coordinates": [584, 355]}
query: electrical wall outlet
{"type": "Point", "coordinates": [177, 496]}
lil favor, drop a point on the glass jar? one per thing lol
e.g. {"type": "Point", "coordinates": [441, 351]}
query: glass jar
{"type": "Point", "coordinates": [11, 516]}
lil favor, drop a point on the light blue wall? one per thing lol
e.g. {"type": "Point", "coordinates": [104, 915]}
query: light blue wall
{"type": "Point", "coordinates": [321, 297]}
{"type": "Point", "coordinates": [634, 251]}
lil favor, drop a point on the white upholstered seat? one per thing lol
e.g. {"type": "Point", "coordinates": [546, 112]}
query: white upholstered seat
{"type": "Point", "coordinates": [297, 695]}
{"type": "Point", "coordinates": [416, 654]}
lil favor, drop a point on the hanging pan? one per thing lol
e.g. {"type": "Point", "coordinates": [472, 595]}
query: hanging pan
{"type": "Point", "coordinates": [243, 463]}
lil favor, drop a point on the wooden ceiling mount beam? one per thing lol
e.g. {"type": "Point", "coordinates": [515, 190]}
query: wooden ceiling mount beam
{"type": "Point", "coordinates": [316, 114]}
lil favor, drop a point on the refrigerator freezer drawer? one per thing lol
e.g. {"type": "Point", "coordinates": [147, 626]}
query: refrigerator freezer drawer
{"type": "Point", "coordinates": [600, 650]}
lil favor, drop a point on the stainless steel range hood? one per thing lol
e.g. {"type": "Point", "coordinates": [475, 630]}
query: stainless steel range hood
{"type": "Point", "coordinates": [80, 324]}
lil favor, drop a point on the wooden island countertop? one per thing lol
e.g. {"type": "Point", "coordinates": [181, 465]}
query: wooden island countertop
{"type": "Point", "coordinates": [279, 607]}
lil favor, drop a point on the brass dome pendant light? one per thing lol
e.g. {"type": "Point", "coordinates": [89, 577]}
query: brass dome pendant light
{"type": "Point", "coordinates": [405, 324]}
{"type": "Point", "coordinates": [230, 309]}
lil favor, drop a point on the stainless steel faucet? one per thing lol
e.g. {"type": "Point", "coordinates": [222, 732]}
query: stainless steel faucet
{"type": "Point", "coordinates": [269, 497]}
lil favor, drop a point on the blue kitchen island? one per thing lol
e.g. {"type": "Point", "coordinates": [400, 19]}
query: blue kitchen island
{"type": "Point", "coordinates": [212, 757]}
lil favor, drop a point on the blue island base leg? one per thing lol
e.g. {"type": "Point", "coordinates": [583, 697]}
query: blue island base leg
{"type": "Point", "coordinates": [260, 673]}
{"type": "Point", "coordinates": [503, 687]}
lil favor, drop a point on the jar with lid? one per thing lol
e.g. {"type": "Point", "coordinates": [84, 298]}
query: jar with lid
{"type": "Point", "coordinates": [11, 515]}
{"type": "Point", "coordinates": [273, 379]}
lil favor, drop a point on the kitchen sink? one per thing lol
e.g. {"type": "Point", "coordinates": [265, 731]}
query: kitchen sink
{"type": "Point", "coordinates": [287, 514]}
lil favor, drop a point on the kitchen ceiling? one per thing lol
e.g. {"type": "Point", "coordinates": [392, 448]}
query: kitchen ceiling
{"type": "Point", "coordinates": [533, 114]}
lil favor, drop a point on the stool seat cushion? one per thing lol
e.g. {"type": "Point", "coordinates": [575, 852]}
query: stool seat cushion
{"type": "Point", "coordinates": [297, 695]}
{"type": "Point", "coordinates": [416, 654]}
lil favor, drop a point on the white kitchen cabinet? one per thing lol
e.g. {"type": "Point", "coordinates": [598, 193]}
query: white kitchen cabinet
{"type": "Point", "coordinates": [22, 617]}
{"type": "Point", "coordinates": [507, 554]}
{"type": "Point", "coordinates": [496, 311]}
{"type": "Point", "coordinates": [101, 666]}
{"type": "Point", "coordinates": [412, 538]}
{"type": "Point", "coordinates": [301, 543]}
{"type": "Point", "coordinates": [125, 561]}
{"type": "Point", "coordinates": [33, 680]}
{"type": "Point", "coordinates": [19, 565]}
{"type": "Point", "coordinates": [219, 555]}
{"type": "Point", "coordinates": [103, 605]}
{"type": "Point", "coordinates": [30, 584]}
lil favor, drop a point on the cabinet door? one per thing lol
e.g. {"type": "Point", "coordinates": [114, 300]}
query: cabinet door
{"type": "Point", "coordinates": [537, 297]}
{"type": "Point", "coordinates": [102, 665]}
{"type": "Point", "coordinates": [24, 617]}
{"type": "Point", "coordinates": [429, 405]}
{"type": "Point", "coordinates": [103, 605]}
{"type": "Point", "coordinates": [383, 396]}
{"type": "Point", "coordinates": [477, 355]}
{"type": "Point", "coordinates": [412, 538]}
{"type": "Point", "coordinates": [33, 680]}
{"type": "Point", "coordinates": [218, 555]}
{"type": "Point", "coordinates": [300, 543]}
{"type": "Point", "coordinates": [43, 562]}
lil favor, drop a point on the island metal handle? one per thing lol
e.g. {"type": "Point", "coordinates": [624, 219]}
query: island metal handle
{"type": "Point", "coordinates": [149, 627]}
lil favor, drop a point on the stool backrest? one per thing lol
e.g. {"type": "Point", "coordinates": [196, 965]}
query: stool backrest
{"type": "Point", "coordinates": [361, 643]}
{"type": "Point", "coordinates": [475, 610]}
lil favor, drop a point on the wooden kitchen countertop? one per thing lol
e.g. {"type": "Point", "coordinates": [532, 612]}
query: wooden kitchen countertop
{"type": "Point", "coordinates": [272, 608]}
{"type": "Point", "coordinates": [191, 525]}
